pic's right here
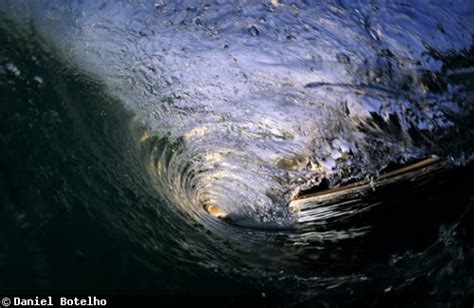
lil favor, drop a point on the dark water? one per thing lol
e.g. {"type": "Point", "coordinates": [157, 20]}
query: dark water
{"type": "Point", "coordinates": [121, 122]}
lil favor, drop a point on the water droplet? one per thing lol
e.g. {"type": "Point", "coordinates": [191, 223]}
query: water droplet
{"type": "Point", "coordinates": [343, 58]}
{"type": "Point", "coordinates": [197, 21]}
{"type": "Point", "coordinates": [253, 31]}
{"type": "Point", "coordinates": [159, 4]}
{"type": "Point", "coordinates": [13, 69]}
{"type": "Point", "coordinates": [38, 79]}
{"type": "Point", "coordinates": [374, 34]}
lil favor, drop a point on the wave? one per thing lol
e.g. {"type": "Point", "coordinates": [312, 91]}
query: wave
{"type": "Point", "coordinates": [194, 151]}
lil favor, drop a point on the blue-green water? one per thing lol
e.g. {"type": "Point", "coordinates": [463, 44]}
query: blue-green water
{"type": "Point", "coordinates": [121, 122]}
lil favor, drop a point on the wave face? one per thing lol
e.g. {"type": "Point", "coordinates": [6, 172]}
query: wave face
{"type": "Point", "coordinates": [127, 123]}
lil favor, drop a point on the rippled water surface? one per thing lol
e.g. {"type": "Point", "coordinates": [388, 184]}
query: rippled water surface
{"type": "Point", "coordinates": [127, 126]}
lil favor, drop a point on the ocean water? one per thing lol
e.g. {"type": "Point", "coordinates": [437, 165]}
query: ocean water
{"type": "Point", "coordinates": [123, 123]}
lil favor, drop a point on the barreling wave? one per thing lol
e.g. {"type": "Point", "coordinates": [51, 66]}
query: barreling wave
{"type": "Point", "coordinates": [231, 153]}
